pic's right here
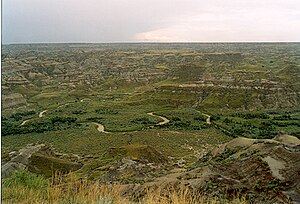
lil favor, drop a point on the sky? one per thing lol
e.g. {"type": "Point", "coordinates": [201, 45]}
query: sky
{"type": "Point", "coordinates": [96, 21]}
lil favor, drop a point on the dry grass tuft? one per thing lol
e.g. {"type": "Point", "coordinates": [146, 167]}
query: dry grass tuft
{"type": "Point", "coordinates": [26, 188]}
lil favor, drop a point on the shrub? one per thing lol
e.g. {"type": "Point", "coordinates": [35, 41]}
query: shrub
{"type": "Point", "coordinates": [18, 116]}
{"type": "Point", "coordinates": [106, 111]}
{"type": "Point", "coordinates": [143, 121]}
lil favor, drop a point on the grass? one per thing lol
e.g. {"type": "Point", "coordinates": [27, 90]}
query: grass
{"type": "Point", "coordinates": [27, 188]}
{"type": "Point", "coordinates": [89, 141]}
{"type": "Point", "coordinates": [23, 187]}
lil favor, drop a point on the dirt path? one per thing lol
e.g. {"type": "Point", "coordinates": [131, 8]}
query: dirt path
{"type": "Point", "coordinates": [24, 122]}
{"type": "Point", "coordinates": [63, 105]}
{"type": "Point", "coordinates": [41, 114]}
{"type": "Point", "coordinates": [165, 120]}
{"type": "Point", "coordinates": [208, 121]}
{"type": "Point", "coordinates": [100, 127]}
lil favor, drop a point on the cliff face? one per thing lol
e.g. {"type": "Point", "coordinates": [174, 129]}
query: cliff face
{"type": "Point", "coordinates": [239, 96]}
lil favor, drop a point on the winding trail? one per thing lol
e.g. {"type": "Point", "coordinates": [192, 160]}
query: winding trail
{"type": "Point", "coordinates": [64, 105]}
{"type": "Point", "coordinates": [24, 122]}
{"type": "Point", "coordinates": [208, 119]}
{"type": "Point", "coordinates": [100, 127]}
{"type": "Point", "coordinates": [165, 120]}
{"type": "Point", "coordinates": [41, 114]}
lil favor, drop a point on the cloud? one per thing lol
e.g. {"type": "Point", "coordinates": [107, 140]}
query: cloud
{"type": "Point", "coordinates": [230, 23]}
{"type": "Point", "coordinates": [183, 33]}
{"type": "Point", "coordinates": [150, 20]}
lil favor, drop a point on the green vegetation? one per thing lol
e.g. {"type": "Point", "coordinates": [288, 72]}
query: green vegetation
{"type": "Point", "coordinates": [259, 124]}
{"type": "Point", "coordinates": [184, 119]}
{"type": "Point", "coordinates": [11, 126]}
{"type": "Point", "coordinates": [90, 141]}
{"type": "Point", "coordinates": [24, 186]}
{"type": "Point", "coordinates": [26, 179]}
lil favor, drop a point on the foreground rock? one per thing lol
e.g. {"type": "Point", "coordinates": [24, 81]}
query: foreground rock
{"type": "Point", "coordinates": [39, 159]}
{"type": "Point", "coordinates": [263, 171]}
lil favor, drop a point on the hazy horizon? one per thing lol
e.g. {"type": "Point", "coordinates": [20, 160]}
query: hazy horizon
{"type": "Point", "coordinates": [144, 21]}
{"type": "Point", "coordinates": [153, 42]}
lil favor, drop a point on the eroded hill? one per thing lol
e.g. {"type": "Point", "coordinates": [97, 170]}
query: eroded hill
{"type": "Point", "coordinates": [243, 76]}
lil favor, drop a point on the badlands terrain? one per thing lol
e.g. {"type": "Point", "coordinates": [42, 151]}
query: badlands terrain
{"type": "Point", "coordinates": [220, 120]}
